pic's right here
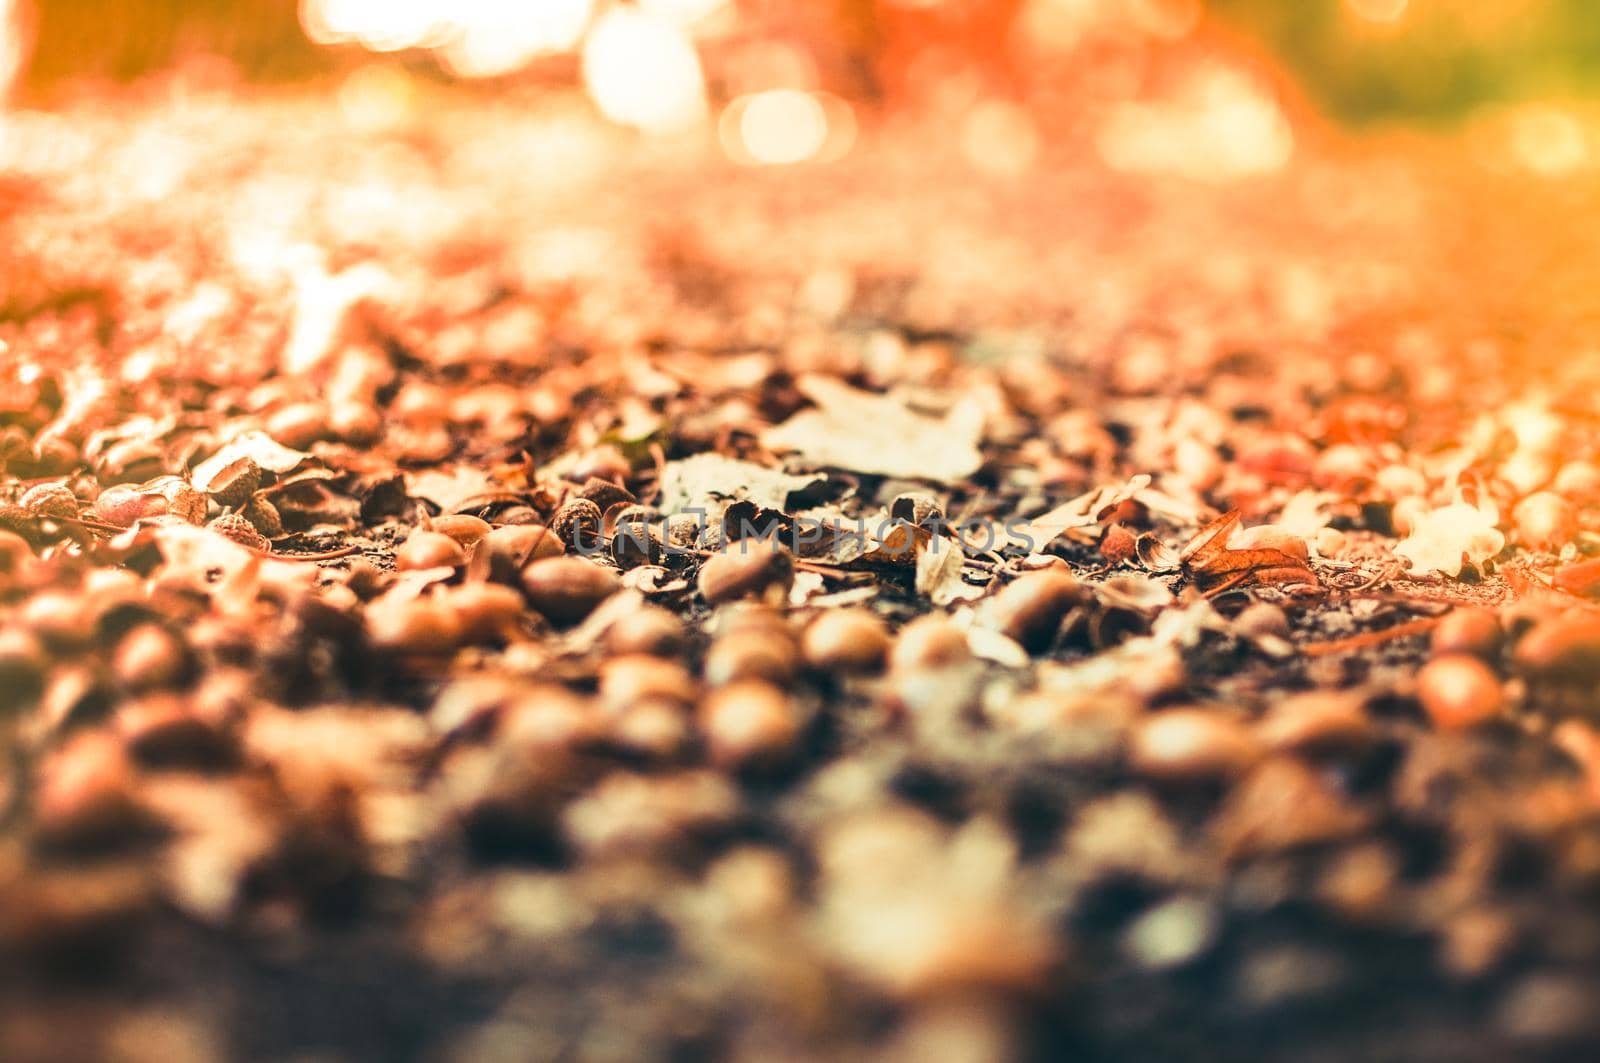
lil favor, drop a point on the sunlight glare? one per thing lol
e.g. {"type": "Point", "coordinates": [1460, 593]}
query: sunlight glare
{"type": "Point", "coordinates": [642, 71]}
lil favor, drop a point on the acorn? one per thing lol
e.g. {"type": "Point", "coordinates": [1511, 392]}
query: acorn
{"type": "Point", "coordinates": [234, 526]}
{"type": "Point", "coordinates": [929, 641]}
{"type": "Point", "coordinates": [428, 549]}
{"type": "Point", "coordinates": [162, 731]}
{"type": "Point", "coordinates": [23, 664]}
{"type": "Point", "coordinates": [1545, 521]}
{"type": "Point", "coordinates": [654, 727]}
{"type": "Point", "coordinates": [1192, 745]}
{"type": "Point", "coordinates": [1262, 618]}
{"type": "Point", "coordinates": [626, 681]}
{"type": "Point", "coordinates": [605, 493]}
{"type": "Point", "coordinates": [52, 500]}
{"type": "Point", "coordinates": [84, 795]}
{"type": "Point", "coordinates": [748, 569]}
{"type": "Point", "coordinates": [752, 652]}
{"type": "Point", "coordinates": [149, 656]}
{"type": "Point", "coordinates": [59, 618]}
{"type": "Point", "coordinates": [422, 626]}
{"type": "Point", "coordinates": [235, 483]}
{"type": "Point", "coordinates": [1471, 630]}
{"type": "Point", "coordinates": [749, 723]}
{"type": "Point", "coordinates": [1578, 481]}
{"type": "Point", "coordinates": [577, 524]}
{"type": "Point", "coordinates": [264, 515]}
{"type": "Point", "coordinates": [1030, 608]}
{"type": "Point", "coordinates": [355, 422]}
{"type": "Point", "coordinates": [847, 641]}
{"type": "Point", "coordinates": [14, 551]}
{"type": "Point", "coordinates": [511, 546]}
{"type": "Point", "coordinates": [649, 629]}
{"type": "Point", "coordinates": [634, 542]}
{"type": "Point", "coordinates": [567, 589]}
{"type": "Point", "coordinates": [1459, 692]}
{"type": "Point", "coordinates": [487, 611]}
{"type": "Point", "coordinates": [1318, 720]}
{"type": "Point", "coordinates": [1562, 648]}
{"type": "Point", "coordinates": [464, 528]}
{"type": "Point", "coordinates": [299, 424]}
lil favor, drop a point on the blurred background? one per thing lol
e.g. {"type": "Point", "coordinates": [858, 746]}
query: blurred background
{"type": "Point", "coordinates": [1204, 88]}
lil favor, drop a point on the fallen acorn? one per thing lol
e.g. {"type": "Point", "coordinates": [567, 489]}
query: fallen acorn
{"type": "Point", "coordinates": [649, 629]}
{"type": "Point", "coordinates": [511, 546]}
{"type": "Point", "coordinates": [929, 642]}
{"type": "Point", "coordinates": [1545, 521]}
{"type": "Point", "coordinates": [125, 504]}
{"type": "Point", "coordinates": [749, 723]}
{"type": "Point", "coordinates": [236, 527]}
{"type": "Point", "coordinates": [1192, 745]}
{"type": "Point", "coordinates": [486, 611]}
{"type": "Point", "coordinates": [235, 483]}
{"type": "Point", "coordinates": [626, 681]}
{"type": "Point", "coordinates": [464, 528]}
{"type": "Point", "coordinates": [84, 795]}
{"type": "Point", "coordinates": [747, 569]}
{"type": "Point", "coordinates": [752, 652]}
{"type": "Point", "coordinates": [1562, 648]}
{"type": "Point", "coordinates": [1317, 721]}
{"type": "Point", "coordinates": [1471, 630]}
{"type": "Point", "coordinates": [1260, 619]}
{"type": "Point", "coordinates": [567, 589]}
{"type": "Point", "coordinates": [1459, 691]}
{"type": "Point", "coordinates": [429, 549]}
{"type": "Point", "coordinates": [846, 640]}
{"type": "Point", "coordinates": [149, 656]}
{"type": "Point", "coordinates": [1030, 608]}
{"type": "Point", "coordinates": [161, 731]}
{"type": "Point", "coordinates": [54, 500]}
{"type": "Point", "coordinates": [577, 524]}
{"type": "Point", "coordinates": [425, 626]}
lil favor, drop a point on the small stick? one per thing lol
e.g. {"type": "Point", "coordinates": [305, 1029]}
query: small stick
{"type": "Point", "coordinates": [1370, 638]}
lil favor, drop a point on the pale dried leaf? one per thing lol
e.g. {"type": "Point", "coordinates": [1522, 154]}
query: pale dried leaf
{"type": "Point", "coordinates": [700, 481]}
{"type": "Point", "coordinates": [259, 448]}
{"type": "Point", "coordinates": [1445, 539]}
{"type": "Point", "coordinates": [939, 566]}
{"type": "Point", "coordinates": [879, 434]}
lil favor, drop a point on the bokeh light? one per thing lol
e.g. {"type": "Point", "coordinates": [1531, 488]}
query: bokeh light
{"type": "Point", "coordinates": [1548, 141]}
{"type": "Point", "coordinates": [783, 127]}
{"type": "Point", "coordinates": [494, 38]}
{"type": "Point", "coordinates": [1378, 10]}
{"type": "Point", "coordinates": [11, 45]}
{"type": "Point", "coordinates": [642, 71]}
{"type": "Point", "coordinates": [1221, 126]}
{"type": "Point", "coordinates": [1000, 138]}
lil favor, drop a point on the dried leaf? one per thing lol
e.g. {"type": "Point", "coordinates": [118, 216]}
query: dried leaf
{"type": "Point", "coordinates": [939, 565]}
{"type": "Point", "coordinates": [259, 447]}
{"type": "Point", "coordinates": [1081, 512]}
{"type": "Point", "coordinates": [1445, 539]}
{"type": "Point", "coordinates": [879, 434]}
{"type": "Point", "coordinates": [449, 487]}
{"type": "Point", "coordinates": [698, 481]}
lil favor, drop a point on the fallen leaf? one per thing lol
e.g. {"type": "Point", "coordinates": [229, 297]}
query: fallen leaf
{"type": "Point", "coordinates": [1081, 512]}
{"type": "Point", "coordinates": [1445, 539]}
{"type": "Point", "coordinates": [879, 434]}
{"type": "Point", "coordinates": [450, 486]}
{"type": "Point", "coordinates": [259, 447]}
{"type": "Point", "coordinates": [693, 482]}
{"type": "Point", "coordinates": [939, 565]}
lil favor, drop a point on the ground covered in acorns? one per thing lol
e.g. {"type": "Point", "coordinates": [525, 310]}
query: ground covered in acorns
{"type": "Point", "coordinates": [478, 586]}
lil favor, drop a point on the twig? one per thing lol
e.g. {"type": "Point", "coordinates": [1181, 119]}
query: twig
{"type": "Point", "coordinates": [1370, 638]}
